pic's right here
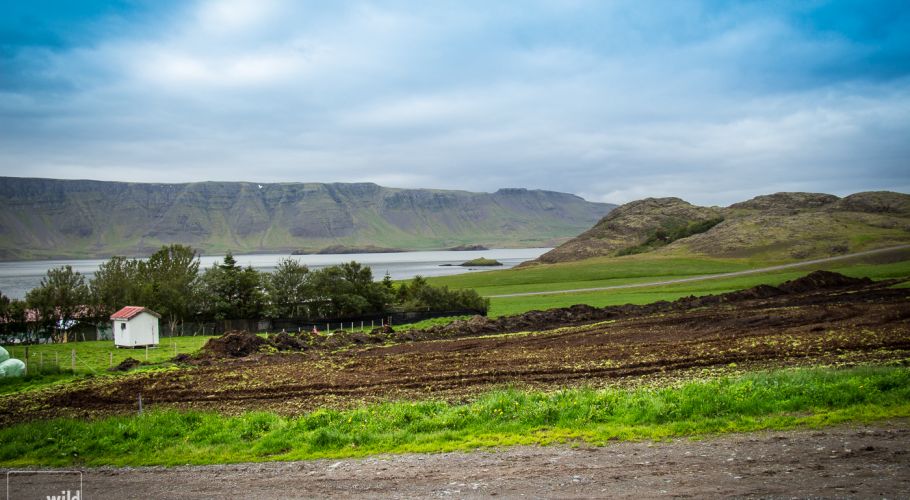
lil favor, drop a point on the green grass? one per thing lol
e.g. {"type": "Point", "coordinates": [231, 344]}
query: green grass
{"type": "Point", "coordinates": [646, 295]}
{"type": "Point", "coordinates": [764, 400]}
{"type": "Point", "coordinates": [635, 269]}
{"type": "Point", "coordinates": [51, 363]}
{"type": "Point", "coordinates": [602, 271]}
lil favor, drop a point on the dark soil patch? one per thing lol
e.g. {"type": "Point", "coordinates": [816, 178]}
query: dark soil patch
{"type": "Point", "coordinates": [126, 365]}
{"type": "Point", "coordinates": [233, 344]}
{"type": "Point", "coordinates": [286, 342]}
{"type": "Point", "coordinates": [240, 344]}
{"type": "Point", "coordinates": [818, 280]}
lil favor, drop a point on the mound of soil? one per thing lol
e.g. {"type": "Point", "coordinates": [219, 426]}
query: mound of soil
{"type": "Point", "coordinates": [182, 358]}
{"type": "Point", "coordinates": [756, 292]}
{"type": "Point", "coordinates": [385, 329]}
{"type": "Point", "coordinates": [126, 365]}
{"type": "Point", "coordinates": [285, 342]}
{"type": "Point", "coordinates": [818, 280]}
{"type": "Point", "coordinates": [233, 344]}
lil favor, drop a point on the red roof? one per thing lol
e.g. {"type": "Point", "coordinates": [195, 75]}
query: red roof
{"type": "Point", "coordinates": [131, 311]}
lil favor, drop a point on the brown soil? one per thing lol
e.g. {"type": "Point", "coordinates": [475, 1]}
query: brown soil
{"type": "Point", "coordinates": [233, 344]}
{"type": "Point", "coordinates": [126, 365]}
{"type": "Point", "coordinates": [240, 344]}
{"type": "Point", "coordinates": [757, 328]}
{"type": "Point", "coordinates": [865, 461]}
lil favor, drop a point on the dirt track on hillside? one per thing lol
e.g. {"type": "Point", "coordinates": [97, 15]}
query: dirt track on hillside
{"type": "Point", "coordinates": [863, 461]}
{"type": "Point", "coordinates": [836, 326]}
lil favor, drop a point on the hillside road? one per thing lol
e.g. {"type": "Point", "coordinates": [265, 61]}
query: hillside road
{"type": "Point", "coordinates": [746, 272]}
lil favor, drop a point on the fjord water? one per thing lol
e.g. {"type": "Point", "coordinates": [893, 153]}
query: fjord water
{"type": "Point", "coordinates": [18, 277]}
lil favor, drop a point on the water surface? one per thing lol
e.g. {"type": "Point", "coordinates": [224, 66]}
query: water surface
{"type": "Point", "coordinates": [18, 277]}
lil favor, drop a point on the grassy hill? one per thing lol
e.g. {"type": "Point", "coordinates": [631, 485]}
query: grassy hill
{"type": "Point", "coordinates": [46, 218]}
{"type": "Point", "coordinates": [777, 227]}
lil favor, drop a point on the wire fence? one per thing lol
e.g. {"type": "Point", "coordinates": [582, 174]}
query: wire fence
{"type": "Point", "coordinates": [64, 358]}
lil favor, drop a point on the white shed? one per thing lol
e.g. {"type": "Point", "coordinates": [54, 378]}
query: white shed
{"type": "Point", "coordinates": [135, 326]}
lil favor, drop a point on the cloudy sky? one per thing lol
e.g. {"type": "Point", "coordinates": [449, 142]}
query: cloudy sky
{"type": "Point", "coordinates": [711, 101]}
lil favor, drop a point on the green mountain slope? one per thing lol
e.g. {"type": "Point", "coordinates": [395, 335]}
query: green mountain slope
{"type": "Point", "coordinates": [46, 218]}
{"type": "Point", "coordinates": [781, 226]}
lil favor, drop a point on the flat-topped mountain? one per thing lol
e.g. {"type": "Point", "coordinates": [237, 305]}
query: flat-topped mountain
{"type": "Point", "coordinates": [47, 218]}
{"type": "Point", "coordinates": [780, 226]}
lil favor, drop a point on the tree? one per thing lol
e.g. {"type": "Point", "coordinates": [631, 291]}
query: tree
{"type": "Point", "coordinates": [421, 296]}
{"type": "Point", "coordinates": [347, 290]}
{"type": "Point", "coordinates": [289, 289]}
{"type": "Point", "coordinates": [117, 283]}
{"type": "Point", "coordinates": [232, 291]}
{"type": "Point", "coordinates": [168, 282]}
{"type": "Point", "coordinates": [59, 300]}
{"type": "Point", "coordinates": [14, 314]}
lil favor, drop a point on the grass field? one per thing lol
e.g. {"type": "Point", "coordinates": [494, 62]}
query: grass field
{"type": "Point", "coordinates": [51, 363]}
{"type": "Point", "coordinates": [766, 400]}
{"type": "Point", "coordinates": [601, 272]}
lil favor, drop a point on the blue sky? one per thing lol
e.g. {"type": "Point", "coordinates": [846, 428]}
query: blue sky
{"type": "Point", "coordinates": [711, 101]}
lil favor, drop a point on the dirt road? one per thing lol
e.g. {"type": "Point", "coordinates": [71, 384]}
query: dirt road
{"type": "Point", "coordinates": [710, 276]}
{"type": "Point", "coordinates": [862, 461]}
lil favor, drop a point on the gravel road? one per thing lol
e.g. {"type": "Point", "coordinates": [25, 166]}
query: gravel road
{"type": "Point", "coordinates": [847, 461]}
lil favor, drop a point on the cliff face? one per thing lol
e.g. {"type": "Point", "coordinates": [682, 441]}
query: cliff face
{"type": "Point", "coordinates": [780, 226]}
{"type": "Point", "coordinates": [45, 218]}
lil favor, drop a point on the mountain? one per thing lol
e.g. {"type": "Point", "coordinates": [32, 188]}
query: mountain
{"type": "Point", "coordinates": [47, 218]}
{"type": "Point", "coordinates": [781, 226]}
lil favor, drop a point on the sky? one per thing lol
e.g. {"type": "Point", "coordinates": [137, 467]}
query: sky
{"type": "Point", "coordinates": [710, 101]}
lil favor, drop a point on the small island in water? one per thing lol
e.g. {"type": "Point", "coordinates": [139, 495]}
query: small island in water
{"type": "Point", "coordinates": [344, 249]}
{"type": "Point", "coordinates": [463, 248]}
{"type": "Point", "coordinates": [481, 261]}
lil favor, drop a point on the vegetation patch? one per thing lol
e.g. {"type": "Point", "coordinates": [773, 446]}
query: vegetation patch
{"type": "Point", "coordinates": [763, 400]}
{"type": "Point", "coordinates": [666, 234]}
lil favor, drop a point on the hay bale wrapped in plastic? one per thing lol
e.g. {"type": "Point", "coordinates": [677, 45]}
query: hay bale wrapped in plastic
{"type": "Point", "coordinates": [12, 368]}
{"type": "Point", "coordinates": [4, 355]}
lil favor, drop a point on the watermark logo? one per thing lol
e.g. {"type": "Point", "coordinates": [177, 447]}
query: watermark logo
{"type": "Point", "coordinates": [44, 485]}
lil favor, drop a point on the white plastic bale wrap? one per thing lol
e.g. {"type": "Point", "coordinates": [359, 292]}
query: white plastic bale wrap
{"type": "Point", "coordinates": [12, 368]}
{"type": "Point", "coordinates": [4, 355]}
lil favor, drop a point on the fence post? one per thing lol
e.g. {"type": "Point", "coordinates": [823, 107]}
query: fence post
{"type": "Point", "coordinates": [111, 359]}
{"type": "Point", "coordinates": [26, 359]}
{"type": "Point", "coordinates": [146, 353]}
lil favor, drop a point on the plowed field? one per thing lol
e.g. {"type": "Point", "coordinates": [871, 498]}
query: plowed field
{"type": "Point", "coordinates": [839, 325]}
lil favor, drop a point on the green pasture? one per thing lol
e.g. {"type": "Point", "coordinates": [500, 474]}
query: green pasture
{"type": "Point", "coordinates": [49, 363]}
{"type": "Point", "coordinates": [639, 269]}
{"type": "Point", "coordinates": [765, 400]}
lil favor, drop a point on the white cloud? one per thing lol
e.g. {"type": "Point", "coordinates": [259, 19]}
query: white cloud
{"type": "Point", "coordinates": [614, 107]}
